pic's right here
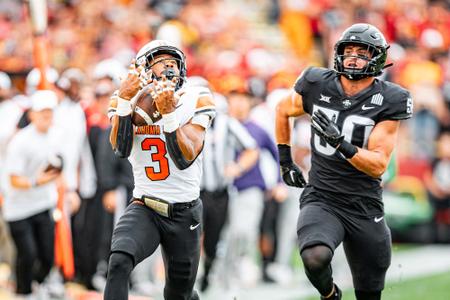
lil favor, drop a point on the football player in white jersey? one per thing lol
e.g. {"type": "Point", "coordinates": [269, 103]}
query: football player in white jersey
{"type": "Point", "coordinates": [166, 157]}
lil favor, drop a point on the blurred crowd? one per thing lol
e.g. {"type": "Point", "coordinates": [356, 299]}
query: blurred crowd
{"type": "Point", "coordinates": [249, 53]}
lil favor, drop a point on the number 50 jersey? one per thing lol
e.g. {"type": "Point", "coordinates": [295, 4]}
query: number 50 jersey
{"type": "Point", "coordinates": [355, 116]}
{"type": "Point", "coordinates": [155, 174]}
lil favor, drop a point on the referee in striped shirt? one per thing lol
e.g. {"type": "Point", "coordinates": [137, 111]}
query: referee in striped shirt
{"type": "Point", "coordinates": [226, 137]}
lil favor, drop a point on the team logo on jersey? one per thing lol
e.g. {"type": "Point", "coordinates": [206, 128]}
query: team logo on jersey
{"type": "Point", "coordinates": [156, 114]}
{"type": "Point", "coordinates": [324, 98]}
{"type": "Point", "coordinates": [346, 103]}
{"type": "Point", "coordinates": [377, 99]}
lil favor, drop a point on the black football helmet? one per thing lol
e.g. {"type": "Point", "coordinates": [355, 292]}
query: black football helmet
{"type": "Point", "coordinates": [367, 35]}
{"type": "Point", "coordinates": [157, 47]}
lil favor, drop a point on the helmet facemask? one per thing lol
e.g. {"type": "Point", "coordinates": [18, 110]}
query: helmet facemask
{"type": "Point", "coordinates": [373, 67]}
{"type": "Point", "coordinates": [368, 37]}
{"type": "Point", "coordinates": [148, 57]}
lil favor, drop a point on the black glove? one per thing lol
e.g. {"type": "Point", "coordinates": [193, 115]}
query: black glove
{"type": "Point", "coordinates": [290, 173]}
{"type": "Point", "coordinates": [329, 131]}
{"type": "Point", "coordinates": [327, 128]}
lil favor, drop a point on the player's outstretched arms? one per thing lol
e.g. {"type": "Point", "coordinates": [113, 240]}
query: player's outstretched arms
{"type": "Point", "coordinates": [289, 106]}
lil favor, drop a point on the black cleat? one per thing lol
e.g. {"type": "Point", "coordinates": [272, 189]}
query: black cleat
{"type": "Point", "coordinates": [337, 294]}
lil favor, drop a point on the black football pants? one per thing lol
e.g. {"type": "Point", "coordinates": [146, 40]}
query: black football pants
{"type": "Point", "coordinates": [139, 232]}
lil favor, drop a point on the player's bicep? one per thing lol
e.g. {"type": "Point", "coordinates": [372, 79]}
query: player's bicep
{"type": "Point", "coordinates": [195, 134]}
{"type": "Point", "coordinates": [383, 138]}
{"type": "Point", "coordinates": [291, 105]}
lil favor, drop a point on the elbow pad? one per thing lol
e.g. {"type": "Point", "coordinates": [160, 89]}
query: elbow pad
{"type": "Point", "coordinates": [124, 137]}
{"type": "Point", "coordinates": [175, 152]}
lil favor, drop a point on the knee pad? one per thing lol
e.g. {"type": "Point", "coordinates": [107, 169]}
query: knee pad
{"type": "Point", "coordinates": [120, 262]}
{"type": "Point", "coordinates": [316, 257]}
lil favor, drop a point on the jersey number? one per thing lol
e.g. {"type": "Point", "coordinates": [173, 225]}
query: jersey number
{"type": "Point", "coordinates": [158, 149]}
{"type": "Point", "coordinates": [348, 127]}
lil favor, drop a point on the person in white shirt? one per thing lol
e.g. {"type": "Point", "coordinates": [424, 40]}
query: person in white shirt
{"type": "Point", "coordinates": [32, 168]}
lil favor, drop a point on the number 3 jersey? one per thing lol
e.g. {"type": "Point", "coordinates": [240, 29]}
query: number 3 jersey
{"type": "Point", "coordinates": [356, 117]}
{"type": "Point", "coordinates": [155, 174]}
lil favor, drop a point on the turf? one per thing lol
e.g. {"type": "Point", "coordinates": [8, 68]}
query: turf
{"type": "Point", "coordinates": [434, 287]}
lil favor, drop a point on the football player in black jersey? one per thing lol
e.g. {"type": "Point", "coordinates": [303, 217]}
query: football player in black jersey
{"type": "Point", "coordinates": [355, 120]}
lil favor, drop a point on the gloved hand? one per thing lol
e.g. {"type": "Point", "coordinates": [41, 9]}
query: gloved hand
{"type": "Point", "coordinates": [330, 132]}
{"type": "Point", "coordinates": [290, 173]}
{"type": "Point", "coordinates": [327, 128]}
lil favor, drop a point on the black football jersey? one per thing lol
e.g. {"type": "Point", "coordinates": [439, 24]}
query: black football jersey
{"type": "Point", "coordinates": [356, 116]}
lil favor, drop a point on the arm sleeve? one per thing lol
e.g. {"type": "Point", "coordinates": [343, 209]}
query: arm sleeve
{"type": "Point", "coordinates": [124, 139]}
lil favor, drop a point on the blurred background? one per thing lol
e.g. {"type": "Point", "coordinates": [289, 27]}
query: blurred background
{"type": "Point", "coordinates": [255, 48]}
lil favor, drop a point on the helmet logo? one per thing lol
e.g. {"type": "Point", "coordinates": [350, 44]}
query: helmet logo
{"type": "Point", "coordinates": [353, 37]}
{"type": "Point", "coordinates": [376, 36]}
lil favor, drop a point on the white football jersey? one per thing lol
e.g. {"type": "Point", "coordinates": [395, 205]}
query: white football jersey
{"type": "Point", "coordinates": [155, 174]}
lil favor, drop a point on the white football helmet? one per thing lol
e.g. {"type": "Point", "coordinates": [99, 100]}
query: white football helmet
{"type": "Point", "coordinates": [156, 47]}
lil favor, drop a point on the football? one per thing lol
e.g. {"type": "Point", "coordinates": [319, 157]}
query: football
{"type": "Point", "coordinates": [144, 109]}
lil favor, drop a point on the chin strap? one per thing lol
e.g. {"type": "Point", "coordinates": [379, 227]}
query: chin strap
{"type": "Point", "coordinates": [388, 65]}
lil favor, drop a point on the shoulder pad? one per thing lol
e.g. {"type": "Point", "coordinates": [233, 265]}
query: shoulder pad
{"type": "Point", "coordinates": [394, 92]}
{"type": "Point", "coordinates": [314, 74]}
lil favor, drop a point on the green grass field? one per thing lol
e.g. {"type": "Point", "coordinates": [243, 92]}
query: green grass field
{"type": "Point", "coordinates": [436, 287]}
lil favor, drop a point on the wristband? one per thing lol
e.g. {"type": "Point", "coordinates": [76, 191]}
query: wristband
{"type": "Point", "coordinates": [347, 149]}
{"type": "Point", "coordinates": [123, 107]}
{"type": "Point", "coordinates": [285, 154]}
{"type": "Point", "coordinates": [170, 122]}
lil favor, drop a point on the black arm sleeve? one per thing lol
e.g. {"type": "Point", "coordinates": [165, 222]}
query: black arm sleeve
{"type": "Point", "coordinates": [175, 152]}
{"type": "Point", "coordinates": [124, 137]}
